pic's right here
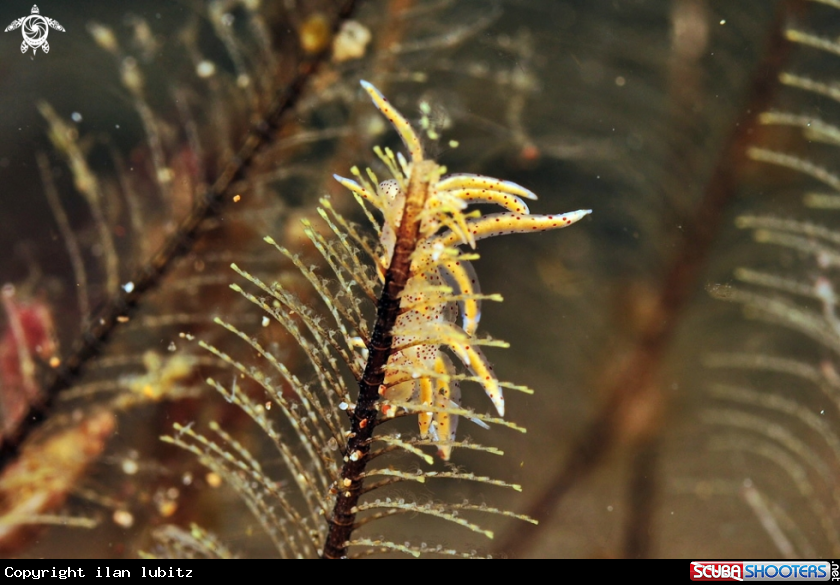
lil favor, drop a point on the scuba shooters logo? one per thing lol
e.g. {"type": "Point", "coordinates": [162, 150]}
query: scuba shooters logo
{"type": "Point", "coordinates": [762, 571]}
{"type": "Point", "coordinates": [35, 29]}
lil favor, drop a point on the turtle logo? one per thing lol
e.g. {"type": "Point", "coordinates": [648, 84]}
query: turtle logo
{"type": "Point", "coordinates": [35, 29]}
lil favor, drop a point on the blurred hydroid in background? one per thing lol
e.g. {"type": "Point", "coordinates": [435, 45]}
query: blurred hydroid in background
{"type": "Point", "coordinates": [666, 422]}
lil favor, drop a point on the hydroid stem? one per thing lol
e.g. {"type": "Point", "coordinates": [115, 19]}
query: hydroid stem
{"type": "Point", "coordinates": [380, 349]}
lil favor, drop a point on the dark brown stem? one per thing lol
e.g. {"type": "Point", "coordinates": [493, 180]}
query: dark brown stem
{"type": "Point", "coordinates": [365, 413]}
{"type": "Point", "coordinates": [147, 277]}
{"type": "Point", "coordinates": [641, 500]}
{"type": "Point", "coordinates": [638, 374]}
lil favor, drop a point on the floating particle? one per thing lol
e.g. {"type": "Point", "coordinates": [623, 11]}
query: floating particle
{"type": "Point", "coordinates": [76, 117]}
{"type": "Point", "coordinates": [129, 466]}
{"type": "Point", "coordinates": [315, 34]}
{"type": "Point", "coordinates": [205, 69]}
{"type": "Point", "coordinates": [128, 287]}
{"type": "Point", "coordinates": [237, 198]}
{"type": "Point", "coordinates": [530, 152]}
{"type": "Point", "coordinates": [351, 41]}
{"type": "Point", "coordinates": [131, 76]}
{"type": "Point", "coordinates": [265, 321]}
{"type": "Point", "coordinates": [123, 518]}
{"type": "Point", "coordinates": [103, 36]}
{"type": "Point", "coordinates": [167, 508]}
{"type": "Point", "coordinates": [171, 346]}
{"type": "Point", "coordinates": [213, 479]}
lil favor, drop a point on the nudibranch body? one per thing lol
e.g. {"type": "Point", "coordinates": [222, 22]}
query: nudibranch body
{"type": "Point", "coordinates": [442, 284]}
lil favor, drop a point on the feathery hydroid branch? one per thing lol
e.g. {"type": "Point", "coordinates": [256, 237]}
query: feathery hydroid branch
{"type": "Point", "coordinates": [206, 205]}
{"type": "Point", "coordinates": [416, 204]}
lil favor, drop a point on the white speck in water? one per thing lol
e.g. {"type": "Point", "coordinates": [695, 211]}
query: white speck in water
{"type": "Point", "coordinates": [123, 518]}
{"type": "Point", "coordinates": [206, 69]}
{"type": "Point", "coordinates": [128, 287]}
{"type": "Point", "coordinates": [265, 321]}
{"type": "Point", "coordinates": [129, 466]}
{"type": "Point", "coordinates": [76, 117]}
{"type": "Point", "coordinates": [171, 346]}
